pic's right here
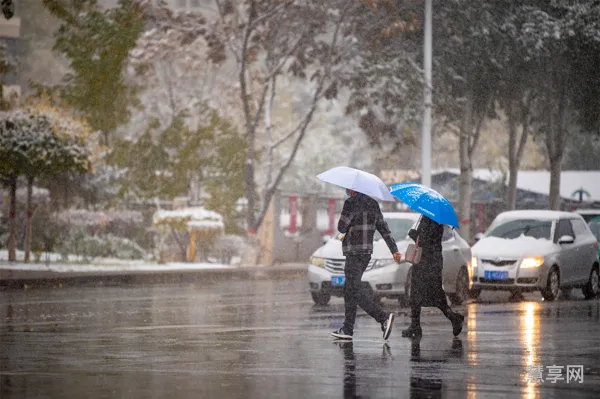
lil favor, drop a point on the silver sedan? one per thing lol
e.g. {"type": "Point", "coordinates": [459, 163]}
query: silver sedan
{"type": "Point", "coordinates": [546, 251]}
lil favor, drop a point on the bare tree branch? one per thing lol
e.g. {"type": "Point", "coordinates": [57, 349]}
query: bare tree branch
{"type": "Point", "coordinates": [270, 14]}
{"type": "Point", "coordinates": [477, 134]}
{"type": "Point", "coordinates": [308, 118]}
{"type": "Point", "coordinates": [285, 58]}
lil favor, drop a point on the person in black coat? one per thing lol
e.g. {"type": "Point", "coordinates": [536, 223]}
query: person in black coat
{"type": "Point", "coordinates": [426, 278]}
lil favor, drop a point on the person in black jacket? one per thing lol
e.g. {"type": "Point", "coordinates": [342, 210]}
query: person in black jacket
{"type": "Point", "coordinates": [426, 278]}
{"type": "Point", "coordinates": [360, 218]}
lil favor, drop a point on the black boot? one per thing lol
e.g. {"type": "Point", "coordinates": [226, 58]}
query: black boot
{"type": "Point", "coordinates": [457, 323]}
{"type": "Point", "coordinates": [455, 318]}
{"type": "Point", "coordinates": [414, 330]}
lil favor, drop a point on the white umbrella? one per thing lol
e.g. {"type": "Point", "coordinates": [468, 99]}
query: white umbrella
{"type": "Point", "coordinates": [357, 180]}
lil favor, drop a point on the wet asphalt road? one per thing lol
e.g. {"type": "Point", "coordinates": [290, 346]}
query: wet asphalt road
{"type": "Point", "coordinates": [265, 339]}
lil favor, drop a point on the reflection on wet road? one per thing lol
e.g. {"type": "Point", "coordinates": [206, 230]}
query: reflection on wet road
{"type": "Point", "coordinates": [265, 339]}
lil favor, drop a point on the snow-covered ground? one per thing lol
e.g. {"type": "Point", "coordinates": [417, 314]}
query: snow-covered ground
{"type": "Point", "coordinates": [55, 263]}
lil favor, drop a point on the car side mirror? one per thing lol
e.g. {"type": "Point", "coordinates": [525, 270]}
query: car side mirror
{"type": "Point", "coordinates": [478, 237]}
{"type": "Point", "coordinates": [566, 240]}
{"type": "Point", "coordinates": [326, 238]}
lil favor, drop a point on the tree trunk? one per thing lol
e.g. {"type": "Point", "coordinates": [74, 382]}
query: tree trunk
{"type": "Point", "coordinates": [555, 171]}
{"type": "Point", "coordinates": [268, 125]}
{"type": "Point", "coordinates": [466, 174]}
{"type": "Point", "coordinates": [512, 153]}
{"type": "Point", "coordinates": [465, 199]}
{"type": "Point", "coordinates": [516, 147]}
{"type": "Point", "coordinates": [12, 225]}
{"type": "Point", "coordinates": [555, 145]}
{"type": "Point", "coordinates": [513, 175]}
{"type": "Point", "coordinates": [250, 131]}
{"type": "Point", "coordinates": [65, 192]}
{"type": "Point", "coordinates": [29, 229]}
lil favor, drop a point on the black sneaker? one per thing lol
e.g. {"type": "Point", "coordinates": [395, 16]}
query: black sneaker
{"type": "Point", "coordinates": [412, 332]}
{"type": "Point", "coordinates": [457, 323]}
{"type": "Point", "coordinates": [387, 325]}
{"type": "Point", "coordinates": [341, 334]}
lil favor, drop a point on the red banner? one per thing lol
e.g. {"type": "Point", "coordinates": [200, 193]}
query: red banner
{"type": "Point", "coordinates": [293, 215]}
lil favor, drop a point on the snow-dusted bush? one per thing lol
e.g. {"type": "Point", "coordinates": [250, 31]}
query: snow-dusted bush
{"type": "Point", "coordinates": [89, 247]}
{"type": "Point", "coordinates": [116, 222]}
{"type": "Point", "coordinates": [93, 234]}
{"type": "Point", "coordinates": [123, 248]}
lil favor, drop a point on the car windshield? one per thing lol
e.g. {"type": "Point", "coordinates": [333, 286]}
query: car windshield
{"type": "Point", "coordinates": [526, 227]}
{"type": "Point", "coordinates": [398, 227]}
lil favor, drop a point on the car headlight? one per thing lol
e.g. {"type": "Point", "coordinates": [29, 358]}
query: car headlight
{"type": "Point", "coordinates": [316, 261]}
{"type": "Point", "coordinates": [532, 262]}
{"type": "Point", "coordinates": [382, 263]}
{"type": "Point", "coordinates": [474, 263]}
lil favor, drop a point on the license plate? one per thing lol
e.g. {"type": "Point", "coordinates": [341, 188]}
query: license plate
{"type": "Point", "coordinates": [337, 281]}
{"type": "Point", "coordinates": [490, 275]}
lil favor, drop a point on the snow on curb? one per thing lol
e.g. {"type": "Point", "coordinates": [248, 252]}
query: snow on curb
{"type": "Point", "coordinates": [100, 265]}
{"type": "Point", "coordinates": [148, 267]}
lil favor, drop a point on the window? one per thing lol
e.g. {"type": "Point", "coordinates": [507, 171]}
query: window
{"type": "Point", "coordinates": [448, 233]}
{"type": "Point", "coordinates": [563, 228]}
{"type": "Point", "coordinates": [579, 227]}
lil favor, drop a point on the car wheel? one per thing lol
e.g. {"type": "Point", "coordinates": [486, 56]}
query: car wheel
{"type": "Point", "coordinates": [552, 290]}
{"type": "Point", "coordinates": [320, 298]}
{"type": "Point", "coordinates": [462, 288]}
{"type": "Point", "coordinates": [591, 289]}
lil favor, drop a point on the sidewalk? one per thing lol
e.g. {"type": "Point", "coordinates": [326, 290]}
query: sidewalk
{"type": "Point", "coordinates": [40, 274]}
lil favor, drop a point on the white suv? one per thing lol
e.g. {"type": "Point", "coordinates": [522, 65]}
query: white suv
{"type": "Point", "coordinates": [384, 277]}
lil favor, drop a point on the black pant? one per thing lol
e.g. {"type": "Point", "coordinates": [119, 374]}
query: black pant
{"type": "Point", "coordinates": [415, 313]}
{"type": "Point", "coordinates": [355, 295]}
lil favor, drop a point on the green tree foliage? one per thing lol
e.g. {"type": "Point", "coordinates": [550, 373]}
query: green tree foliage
{"type": "Point", "coordinates": [97, 43]}
{"type": "Point", "coordinates": [534, 60]}
{"type": "Point", "coordinates": [167, 161]}
{"type": "Point", "coordinates": [34, 145]}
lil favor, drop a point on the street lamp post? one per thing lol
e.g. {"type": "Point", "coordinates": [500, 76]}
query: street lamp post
{"type": "Point", "coordinates": [427, 103]}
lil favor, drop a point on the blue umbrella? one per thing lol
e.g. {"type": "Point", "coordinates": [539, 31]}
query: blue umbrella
{"type": "Point", "coordinates": [426, 201]}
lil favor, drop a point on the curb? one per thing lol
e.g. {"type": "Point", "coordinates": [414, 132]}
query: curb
{"type": "Point", "coordinates": [38, 279]}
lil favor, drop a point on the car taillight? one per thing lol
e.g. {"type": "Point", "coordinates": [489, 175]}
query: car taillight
{"type": "Point", "coordinates": [596, 244]}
